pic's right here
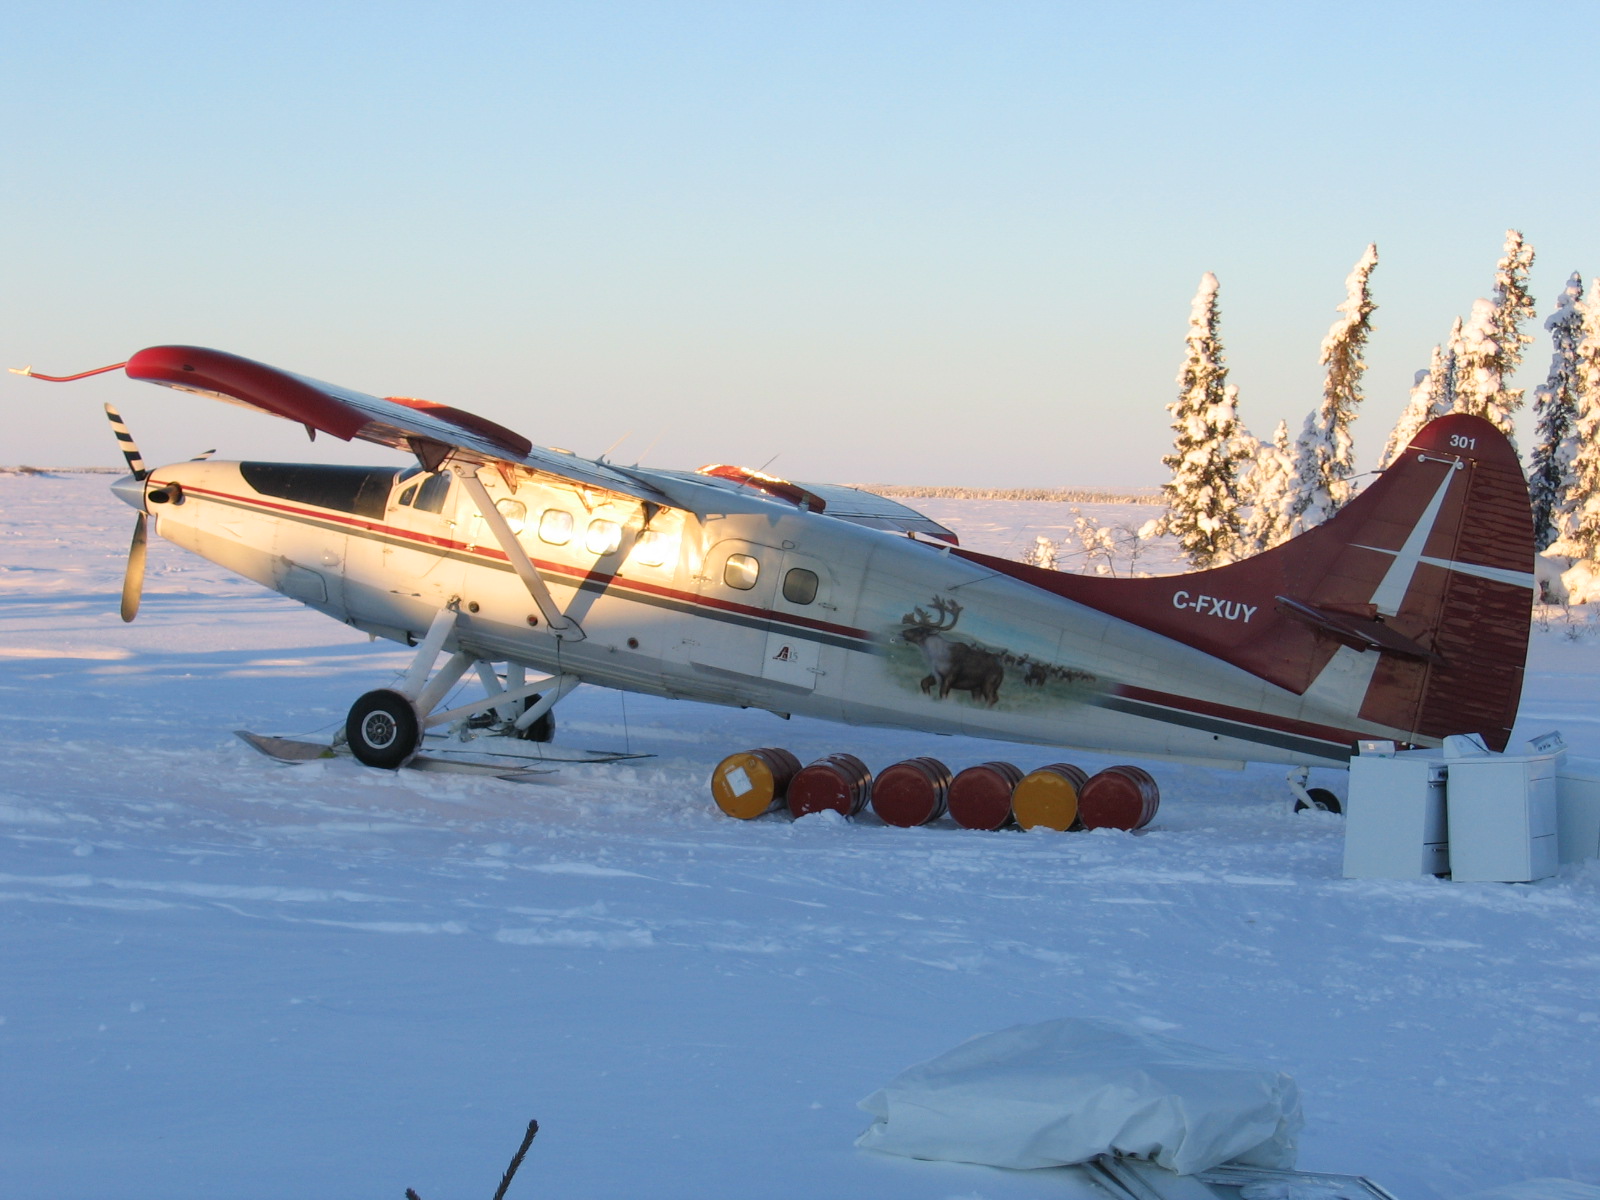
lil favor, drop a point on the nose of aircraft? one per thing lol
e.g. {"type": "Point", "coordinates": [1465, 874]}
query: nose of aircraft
{"type": "Point", "coordinates": [130, 491]}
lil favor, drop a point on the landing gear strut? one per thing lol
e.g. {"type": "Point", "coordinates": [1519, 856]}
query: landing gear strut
{"type": "Point", "coordinates": [1317, 799]}
{"type": "Point", "coordinates": [385, 727]}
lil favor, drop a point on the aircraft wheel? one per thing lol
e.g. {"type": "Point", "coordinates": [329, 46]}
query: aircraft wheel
{"type": "Point", "coordinates": [1321, 799]}
{"type": "Point", "coordinates": [542, 730]}
{"type": "Point", "coordinates": [383, 730]}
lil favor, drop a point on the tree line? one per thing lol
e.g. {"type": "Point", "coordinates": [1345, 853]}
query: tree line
{"type": "Point", "coordinates": [1232, 495]}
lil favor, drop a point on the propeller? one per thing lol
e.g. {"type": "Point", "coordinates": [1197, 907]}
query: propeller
{"type": "Point", "coordinates": [131, 491]}
{"type": "Point", "coordinates": [133, 580]}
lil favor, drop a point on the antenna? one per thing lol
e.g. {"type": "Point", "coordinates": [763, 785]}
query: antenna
{"type": "Point", "coordinates": [614, 445]}
{"type": "Point", "coordinates": [650, 447]}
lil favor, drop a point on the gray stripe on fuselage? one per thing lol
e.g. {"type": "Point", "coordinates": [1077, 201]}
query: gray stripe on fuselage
{"type": "Point", "coordinates": [1226, 728]}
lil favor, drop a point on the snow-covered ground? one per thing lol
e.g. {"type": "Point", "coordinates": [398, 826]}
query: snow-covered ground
{"type": "Point", "coordinates": [224, 977]}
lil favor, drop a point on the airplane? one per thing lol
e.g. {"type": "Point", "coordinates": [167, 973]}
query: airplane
{"type": "Point", "coordinates": [1403, 618]}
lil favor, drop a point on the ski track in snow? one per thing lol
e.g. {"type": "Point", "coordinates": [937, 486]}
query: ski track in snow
{"type": "Point", "coordinates": [225, 976]}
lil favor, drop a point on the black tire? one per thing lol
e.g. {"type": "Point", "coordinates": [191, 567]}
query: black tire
{"type": "Point", "coordinates": [1321, 799]}
{"type": "Point", "coordinates": [383, 730]}
{"type": "Point", "coordinates": [542, 730]}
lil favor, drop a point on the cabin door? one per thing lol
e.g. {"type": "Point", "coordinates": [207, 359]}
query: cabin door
{"type": "Point", "coordinates": [803, 590]}
{"type": "Point", "coordinates": [736, 587]}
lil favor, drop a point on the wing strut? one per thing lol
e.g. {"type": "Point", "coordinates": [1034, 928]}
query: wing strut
{"type": "Point", "coordinates": [558, 622]}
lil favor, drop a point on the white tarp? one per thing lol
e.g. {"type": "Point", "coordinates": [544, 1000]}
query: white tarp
{"type": "Point", "coordinates": [1066, 1091]}
{"type": "Point", "coordinates": [1541, 1189]}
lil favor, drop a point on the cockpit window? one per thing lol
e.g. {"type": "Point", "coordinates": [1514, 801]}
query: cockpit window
{"type": "Point", "coordinates": [361, 491]}
{"type": "Point", "coordinates": [410, 494]}
{"type": "Point", "coordinates": [431, 495]}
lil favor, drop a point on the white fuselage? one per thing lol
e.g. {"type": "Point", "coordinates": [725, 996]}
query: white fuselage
{"type": "Point", "coordinates": [752, 603]}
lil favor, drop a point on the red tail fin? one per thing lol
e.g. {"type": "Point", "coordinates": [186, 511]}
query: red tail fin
{"type": "Point", "coordinates": [1430, 570]}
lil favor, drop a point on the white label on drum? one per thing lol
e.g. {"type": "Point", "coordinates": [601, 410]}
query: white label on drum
{"type": "Point", "coordinates": [739, 782]}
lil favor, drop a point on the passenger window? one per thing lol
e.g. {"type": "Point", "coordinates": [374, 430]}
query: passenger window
{"type": "Point", "coordinates": [515, 512]}
{"type": "Point", "coordinates": [800, 586]}
{"type": "Point", "coordinates": [555, 527]}
{"type": "Point", "coordinates": [430, 496]}
{"type": "Point", "coordinates": [603, 537]}
{"type": "Point", "coordinates": [650, 550]}
{"type": "Point", "coordinates": [740, 572]}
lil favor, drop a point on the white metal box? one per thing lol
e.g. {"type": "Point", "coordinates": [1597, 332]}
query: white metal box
{"type": "Point", "coordinates": [1502, 814]}
{"type": "Point", "coordinates": [1395, 817]}
{"type": "Point", "coordinates": [1578, 809]}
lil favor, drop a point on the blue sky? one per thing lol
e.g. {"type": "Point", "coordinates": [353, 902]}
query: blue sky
{"type": "Point", "coordinates": [949, 243]}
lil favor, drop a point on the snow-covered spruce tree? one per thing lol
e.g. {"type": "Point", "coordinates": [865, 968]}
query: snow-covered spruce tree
{"type": "Point", "coordinates": [1513, 307]}
{"type": "Point", "coordinates": [1555, 407]}
{"type": "Point", "coordinates": [1449, 379]}
{"type": "Point", "coordinates": [1578, 519]}
{"type": "Point", "coordinates": [1324, 462]}
{"type": "Point", "coordinates": [1427, 402]}
{"type": "Point", "coordinates": [1270, 490]}
{"type": "Point", "coordinates": [1492, 341]}
{"type": "Point", "coordinates": [1477, 361]}
{"type": "Point", "coordinates": [1203, 493]}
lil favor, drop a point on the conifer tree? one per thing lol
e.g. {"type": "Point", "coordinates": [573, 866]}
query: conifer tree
{"type": "Point", "coordinates": [1477, 362]}
{"type": "Point", "coordinates": [1555, 407]}
{"type": "Point", "coordinates": [1324, 462]}
{"type": "Point", "coordinates": [1269, 491]}
{"type": "Point", "coordinates": [1513, 306]}
{"type": "Point", "coordinates": [1491, 343]}
{"type": "Point", "coordinates": [1203, 493]}
{"type": "Point", "coordinates": [1578, 520]}
{"type": "Point", "coordinates": [1427, 402]}
{"type": "Point", "coordinates": [1450, 373]}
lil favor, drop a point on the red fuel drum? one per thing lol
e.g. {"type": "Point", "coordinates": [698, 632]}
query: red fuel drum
{"type": "Point", "coordinates": [753, 782]}
{"type": "Point", "coordinates": [1119, 798]}
{"type": "Point", "coordinates": [980, 797]}
{"type": "Point", "coordinates": [839, 781]}
{"type": "Point", "coordinates": [910, 793]}
{"type": "Point", "coordinates": [1048, 797]}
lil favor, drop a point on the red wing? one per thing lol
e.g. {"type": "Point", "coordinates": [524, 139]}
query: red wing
{"type": "Point", "coordinates": [429, 430]}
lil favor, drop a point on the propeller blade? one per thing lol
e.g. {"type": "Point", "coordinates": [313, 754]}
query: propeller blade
{"type": "Point", "coordinates": [133, 581]}
{"type": "Point", "coordinates": [125, 440]}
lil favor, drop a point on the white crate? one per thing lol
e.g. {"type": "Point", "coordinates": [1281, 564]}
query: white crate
{"type": "Point", "coordinates": [1502, 817]}
{"type": "Point", "coordinates": [1395, 824]}
{"type": "Point", "coordinates": [1578, 809]}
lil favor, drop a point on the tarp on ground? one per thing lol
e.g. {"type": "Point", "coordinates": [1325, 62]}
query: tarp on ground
{"type": "Point", "coordinates": [1066, 1091]}
{"type": "Point", "coordinates": [1541, 1189]}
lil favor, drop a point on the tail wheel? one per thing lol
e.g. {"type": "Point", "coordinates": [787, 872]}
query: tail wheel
{"type": "Point", "coordinates": [383, 730]}
{"type": "Point", "coordinates": [1322, 800]}
{"type": "Point", "coordinates": [542, 730]}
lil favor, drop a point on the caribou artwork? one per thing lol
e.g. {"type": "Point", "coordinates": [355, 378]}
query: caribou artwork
{"type": "Point", "coordinates": [952, 665]}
